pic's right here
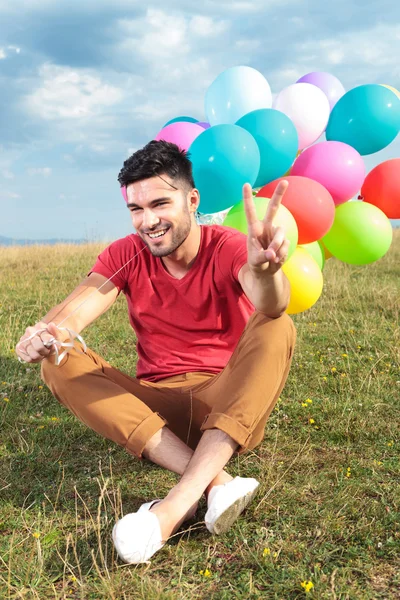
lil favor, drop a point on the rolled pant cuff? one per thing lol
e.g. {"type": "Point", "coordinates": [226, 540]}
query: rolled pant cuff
{"type": "Point", "coordinates": [235, 430]}
{"type": "Point", "coordinates": [143, 433]}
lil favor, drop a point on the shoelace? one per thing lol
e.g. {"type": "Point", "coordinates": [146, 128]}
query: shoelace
{"type": "Point", "coordinates": [59, 345]}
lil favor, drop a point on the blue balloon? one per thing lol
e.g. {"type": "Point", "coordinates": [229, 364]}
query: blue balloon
{"type": "Point", "coordinates": [180, 119]}
{"type": "Point", "coordinates": [234, 93]}
{"type": "Point", "coordinates": [224, 158]}
{"type": "Point", "coordinates": [366, 117]}
{"type": "Point", "coordinates": [277, 141]}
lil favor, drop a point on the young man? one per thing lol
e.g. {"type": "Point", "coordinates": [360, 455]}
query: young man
{"type": "Point", "coordinates": [208, 307]}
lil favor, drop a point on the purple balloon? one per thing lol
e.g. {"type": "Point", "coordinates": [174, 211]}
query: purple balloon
{"type": "Point", "coordinates": [326, 82]}
{"type": "Point", "coordinates": [204, 124]}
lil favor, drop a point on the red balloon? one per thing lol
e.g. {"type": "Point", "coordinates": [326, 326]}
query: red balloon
{"type": "Point", "coordinates": [382, 188]}
{"type": "Point", "coordinates": [309, 202]}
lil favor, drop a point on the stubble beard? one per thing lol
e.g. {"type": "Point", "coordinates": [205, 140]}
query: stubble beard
{"type": "Point", "coordinates": [179, 235]}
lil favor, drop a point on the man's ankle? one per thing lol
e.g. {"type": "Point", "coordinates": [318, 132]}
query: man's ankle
{"type": "Point", "coordinates": [220, 479]}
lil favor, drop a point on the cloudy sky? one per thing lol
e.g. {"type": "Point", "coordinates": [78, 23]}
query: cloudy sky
{"type": "Point", "coordinates": [84, 84]}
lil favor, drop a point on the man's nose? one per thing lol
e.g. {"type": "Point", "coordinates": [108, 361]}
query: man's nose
{"type": "Point", "coordinates": [150, 219]}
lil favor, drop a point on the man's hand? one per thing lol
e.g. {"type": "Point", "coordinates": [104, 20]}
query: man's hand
{"type": "Point", "coordinates": [267, 246]}
{"type": "Point", "coordinates": [40, 346]}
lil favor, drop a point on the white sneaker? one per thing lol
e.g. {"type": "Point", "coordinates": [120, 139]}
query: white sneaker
{"type": "Point", "coordinates": [137, 536]}
{"type": "Point", "coordinates": [226, 502]}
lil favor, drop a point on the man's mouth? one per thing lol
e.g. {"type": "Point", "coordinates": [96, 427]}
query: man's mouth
{"type": "Point", "coordinates": [157, 234]}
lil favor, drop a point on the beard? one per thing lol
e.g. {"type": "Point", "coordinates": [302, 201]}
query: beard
{"type": "Point", "coordinates": [177, 235]}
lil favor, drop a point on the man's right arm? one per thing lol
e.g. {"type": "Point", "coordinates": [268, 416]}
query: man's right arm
{"type": "Point", "coordinates": [88, 304]}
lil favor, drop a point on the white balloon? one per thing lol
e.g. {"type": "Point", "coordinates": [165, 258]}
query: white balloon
{"type": "Point", "coordinates": [234, 93]}
{"type": "Point", "coordinates": [308, 107]}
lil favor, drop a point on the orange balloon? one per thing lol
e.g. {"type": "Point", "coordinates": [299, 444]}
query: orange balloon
{"type": "Point", "coordinates": [309, 202]}
{"type": "Point", "coordinates": [382, 188]}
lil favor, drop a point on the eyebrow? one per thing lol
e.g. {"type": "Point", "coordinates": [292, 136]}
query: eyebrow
{"type": "Point", "coordinates": [134, 205]}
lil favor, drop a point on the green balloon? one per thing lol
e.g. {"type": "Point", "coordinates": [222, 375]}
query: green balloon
{"type": "Point", "coordinates": [236, 218]}
{"type": "Point", "coordinates": [317, 252]}
{"type": "Point", "coordinates": [361, 233]}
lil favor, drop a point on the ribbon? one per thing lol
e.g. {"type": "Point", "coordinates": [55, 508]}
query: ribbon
{"type": "Point", "coordinates": [59, 345]}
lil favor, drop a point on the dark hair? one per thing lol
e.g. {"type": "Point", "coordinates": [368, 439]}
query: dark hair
{"type": "Point", "coordinates": [157, 158]}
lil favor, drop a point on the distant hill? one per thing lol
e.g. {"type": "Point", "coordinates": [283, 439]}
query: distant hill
{"type": "Point", "coordinates": [6, 241]}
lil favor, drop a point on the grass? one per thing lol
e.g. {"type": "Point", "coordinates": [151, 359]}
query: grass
{"type": "Point", "coordinates": [328, 510]}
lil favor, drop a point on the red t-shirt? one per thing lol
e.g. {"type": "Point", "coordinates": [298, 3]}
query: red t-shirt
{"type": "Point", "coordinates": [188, 324]}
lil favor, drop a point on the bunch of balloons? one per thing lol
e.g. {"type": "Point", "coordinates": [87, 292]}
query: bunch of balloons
{"type": "Point", "coordinates": [251, 138]}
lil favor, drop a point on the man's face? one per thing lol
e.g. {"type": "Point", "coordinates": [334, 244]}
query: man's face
{"type": "Point", "coordinates": [160, 214]}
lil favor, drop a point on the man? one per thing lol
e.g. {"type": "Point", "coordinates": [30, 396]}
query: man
{"type": "Point", "coordinates": [214, 343]}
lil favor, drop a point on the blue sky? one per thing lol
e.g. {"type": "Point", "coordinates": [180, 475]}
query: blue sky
{"type": "Point", "coordinates": [84, 84]}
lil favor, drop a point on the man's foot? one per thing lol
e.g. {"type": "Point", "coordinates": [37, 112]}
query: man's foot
{"type": "Point", "coordinates": [226, 502]}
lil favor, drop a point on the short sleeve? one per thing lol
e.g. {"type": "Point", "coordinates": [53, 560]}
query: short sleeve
{"type": "Point", "coordinates": [232, 253]}
{"type": "Point", "coordinates": [110, 263]}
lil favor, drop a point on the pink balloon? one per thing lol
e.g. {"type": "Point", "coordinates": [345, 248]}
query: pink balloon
{"type": "Point", "coordinates": [180, 133]}
{"type": "Point", "coordinates": [124, 194]}
{"type": "Point", "coordinates": [337, 166]}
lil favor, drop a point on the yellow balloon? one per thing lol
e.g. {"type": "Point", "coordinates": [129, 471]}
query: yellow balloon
{"type": "Point", "coordinates": [389, 87]}
{"type": "Point", "coordinates": [305, 280]}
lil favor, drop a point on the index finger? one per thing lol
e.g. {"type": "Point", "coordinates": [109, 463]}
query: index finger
{"type": "Point", "coordinates": [275, 201]}
{"type": "Point", "coordinates": [249, 206]}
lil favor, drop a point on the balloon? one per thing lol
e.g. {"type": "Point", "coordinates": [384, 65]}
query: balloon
{"type": "Point", "coordinates": [389, 87]}
{"type": "Point", "coordinates": [317, 252]}
{"type": "Point", "coordinates": [236, 218]}
{"type": "Point", "coordinates": [326, 82]}
{"type": "Point", "coordinates": [277, 141]}
{"type": "Point", "coordinates": [366, 117]}
{"type": "Point", "coordinates": [335, 165]}
{"type": "Point", "coordinates": [204, 125]}
{"type": "Point", "coordinates": [236, 92]}
{"type": "Point", "coordinates": [310, 204]}
{"type": "Point", "coordinates": [224, 158]}
{"type": "Point", "coordinates": [308, 107]}
{"type": "Point", "coordinates": [360, 234]}
{"type": "Point", "coordinates": [124, 194]}
{"type": "Point", "coordinates": [181, 120]}
{"type": "Point", "coordinates": [182, 134]}
{"type": "Point", "coordinates": [305, 280]}
{"type": "Point", "coordinates": [382, 188]}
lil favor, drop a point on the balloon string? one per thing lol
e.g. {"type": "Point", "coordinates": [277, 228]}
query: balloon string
{"type": "Point", "coordinates": [68, 344]}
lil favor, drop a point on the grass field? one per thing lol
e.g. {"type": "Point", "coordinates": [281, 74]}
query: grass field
{"type": "Point", "coordinates": [326, 521]}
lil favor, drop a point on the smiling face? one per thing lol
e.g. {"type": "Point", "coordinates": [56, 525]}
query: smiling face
{"type": "Point", "coordinates": [162, 215]}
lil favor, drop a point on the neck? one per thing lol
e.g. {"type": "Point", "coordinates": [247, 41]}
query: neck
{"type": "Point", "coordinates": [184, 256]}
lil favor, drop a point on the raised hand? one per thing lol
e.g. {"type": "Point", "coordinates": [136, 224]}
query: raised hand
{"type": "Point", "coordinates": [267, 246]}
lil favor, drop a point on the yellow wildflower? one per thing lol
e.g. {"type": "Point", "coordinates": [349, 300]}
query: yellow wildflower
{"type": "Point", "coordinates": [325, 378]}
{"type": "Point", "coordinates": [307, 585]}
{"type": "Point", "coordinates": [309, 401]}
{"type": "Point", "coordinates": [54, 418]}
{"type": "Point", "coordinates": [304, 404]}
{"type": "Point", "coordinates": [311, 421]}
{"type": "Point", "coordinates": [390, 443]}
{"type": "Point", "coordinates": [40, 387]}
{"type": "Point", "coordinates": [333, 369]}
{"type": "Point", "coordinates": [206, 573]}
{"type": "Point", "coordinates": [40, 427]}
{"type": "Point", "coordinates": [36, 535]}
{"type": "Point", "coordinates": [6, 399]}
{"type": "Point", "coordinates": [348, 473]}
{"type": "Point", "coordinates": [344, 355]}
{"type": "Point", "coordinates": [266, 552]}
{"type": "Point", "coordinates": [4, 382]}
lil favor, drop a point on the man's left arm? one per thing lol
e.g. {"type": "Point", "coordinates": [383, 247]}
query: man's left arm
{"type": "Point", "coordinates": [262, 278]}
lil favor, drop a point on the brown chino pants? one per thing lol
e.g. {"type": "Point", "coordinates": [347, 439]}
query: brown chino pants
{"type": "Point", "coordinates": [130, 411]}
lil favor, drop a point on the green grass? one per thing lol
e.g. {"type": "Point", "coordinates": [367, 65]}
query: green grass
{"type": "Point", "coordinates": [62, 486]}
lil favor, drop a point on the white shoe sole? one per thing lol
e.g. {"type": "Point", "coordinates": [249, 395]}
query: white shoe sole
{"type": "Point", "coordinates": [228, 516]}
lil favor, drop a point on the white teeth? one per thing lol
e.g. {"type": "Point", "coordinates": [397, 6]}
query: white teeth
{"type": "Point", "coordinates": [158, 234]}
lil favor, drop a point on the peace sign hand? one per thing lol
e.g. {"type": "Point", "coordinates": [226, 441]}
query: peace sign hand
{"type": "Point", "coordinates": [267, 246]}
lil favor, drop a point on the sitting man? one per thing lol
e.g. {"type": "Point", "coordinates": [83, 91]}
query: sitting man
{"type": "Point", "coordinates": [208, 305]}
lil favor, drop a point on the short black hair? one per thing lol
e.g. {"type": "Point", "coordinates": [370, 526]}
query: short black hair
{"type": "Point", "coordinates": [157, 158]}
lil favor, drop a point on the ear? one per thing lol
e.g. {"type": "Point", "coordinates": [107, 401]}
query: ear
{"type": "Point", "coordinates": [194, 200]}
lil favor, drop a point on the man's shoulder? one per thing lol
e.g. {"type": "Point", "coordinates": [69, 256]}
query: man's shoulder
{"type": "Point", "coordinates": [129, 241]}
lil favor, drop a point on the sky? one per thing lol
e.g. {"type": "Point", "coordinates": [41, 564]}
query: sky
{"type": "Point", "coordinates": [85, 84]}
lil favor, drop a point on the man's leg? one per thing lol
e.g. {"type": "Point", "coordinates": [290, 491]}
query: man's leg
{"type": "Point", "coordinates": [203, 471]}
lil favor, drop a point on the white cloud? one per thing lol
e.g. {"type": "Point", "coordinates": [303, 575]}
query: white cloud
{"type": "Point", "coordinates": [67, 93]}
{"type": "Point", "coordinates": [4, 52]}
{"type": "Point", "coordinates": [3, 55]}
{"type": "Point", "coordinates": [43, 171]}
{"type": "Point", "coordinates": [7, 174]}
{"type": "Point", "coordinates": [9, 195]}
{"type": "Point", "coordinates": [207, 27]}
